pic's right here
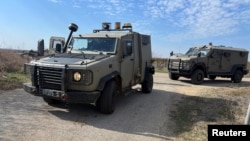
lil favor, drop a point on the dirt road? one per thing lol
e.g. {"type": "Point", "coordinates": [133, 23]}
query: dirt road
{"type": "Point", "coordinates": [137, 117]}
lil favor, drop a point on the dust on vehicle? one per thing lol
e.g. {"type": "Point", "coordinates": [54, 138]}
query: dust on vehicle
{"type": "Point", "coordinates": [94, 67]}
{"type": "Point", "coordinates": [209, 61]}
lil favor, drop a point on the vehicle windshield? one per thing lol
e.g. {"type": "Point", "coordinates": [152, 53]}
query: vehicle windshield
{"type": "Point", "coordinates": [194, 51]}
{"type": "Point", "coordinates": [93, 44]}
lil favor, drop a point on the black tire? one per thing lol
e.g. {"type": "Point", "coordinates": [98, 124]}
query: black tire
{"type": "Point", "coordinates": [147, 84]}
{"type": "Point", "coordinates": [50, 101]}
{"type": "Point", "coordinates": [237, 77]}
{"type": "Point", "coordinates": [173, 76]}
{"type": "Point", "coordinates": [197, 77]}
{"type": "Point", "coordinates": [106, 103]}
{"type": "Point", "coordinates": [212, 77]}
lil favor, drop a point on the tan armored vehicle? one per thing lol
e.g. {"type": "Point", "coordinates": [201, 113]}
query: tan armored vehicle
{"type": "Point", "coordinates": [93, 68]}
{"type": "Point", "coordinates": [209, 62]}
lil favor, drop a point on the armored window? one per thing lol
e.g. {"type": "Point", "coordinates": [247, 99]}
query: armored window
{"type": "Point", "coordinates": [78, 44]}
{"type": "Point", "coordinates": [203, 53]}
{"type": "Point", "coordinates": [127, 48]}
{"type": "Point", "coordinates": [94, 44]}
{"type": "Point", "coordinates": [145, 40]}
{"type": "Point", "coordinates": [216, 55]}
{"type": "Point", "coordinates": [242, 54]}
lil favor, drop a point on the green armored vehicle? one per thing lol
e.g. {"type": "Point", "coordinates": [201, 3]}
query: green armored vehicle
{"type": "Point", "coordinates": [209, 61]}
{"type": "Point", "coordinates": [93, 68]}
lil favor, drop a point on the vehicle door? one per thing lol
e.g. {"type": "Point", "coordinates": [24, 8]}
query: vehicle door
{"type": "Point", "coordinates": [226, 64]}
{"type": "Point", "coordinates": [127, 61]}
{"type": "Point", "coordinates": [215, 62]}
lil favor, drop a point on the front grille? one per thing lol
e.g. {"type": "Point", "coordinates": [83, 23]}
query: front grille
{"type": "Point", "coordinates": [50, 78]}
{"type": "Point", "coordinates": [174, 65]}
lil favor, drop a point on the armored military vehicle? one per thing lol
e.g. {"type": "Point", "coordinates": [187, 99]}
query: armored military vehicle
{"type": "Point", "coordinates": [209, 61]}
{"type": "Point", "coordinates": [93, 68]}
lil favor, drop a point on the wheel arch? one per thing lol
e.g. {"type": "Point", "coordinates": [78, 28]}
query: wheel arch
{"type": "Point", "coordinates": [236, 67]}
{"type": "Point", "coordinates": [112, 76]}
{"type": "Point", "coordinates": [200, 66]}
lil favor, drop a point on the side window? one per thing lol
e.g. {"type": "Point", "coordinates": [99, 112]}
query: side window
{"type": "Point", "coordinates": [145, 40]}
{"type": "Point", "coordinates": [127, 48]}
{"type": "Point", "coordinates": [203, 53]}
{"type": "Point", "coordinates": [243, 54]}
{"type": "Point", "coordinates": [216, 54]}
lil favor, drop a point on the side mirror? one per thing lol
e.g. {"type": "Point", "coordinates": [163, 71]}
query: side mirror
{"type": "Point", "coordinates": [211, 55]}
{"type": "Point", "coordinates": [199, 54]}
{"type": "Point", "coordinates": [58, 48]}
{"type": "Point", "coordinates": [40, 47]}
{"type": "Point", "coordinates": [171, 53]}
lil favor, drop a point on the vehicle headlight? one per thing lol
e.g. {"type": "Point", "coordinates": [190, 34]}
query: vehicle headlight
{"type": "Point", "coordinates": [185, 65]}
{"type": "Point", "coordinates": [84, 77]}
{"type": "Point", "coordinates": [77, 76]}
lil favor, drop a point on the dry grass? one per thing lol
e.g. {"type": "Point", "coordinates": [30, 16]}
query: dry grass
{"type": "Point", "coordinates": [11, 61]}
{"type": "Point", "coordinates": [160, 64]}
{"type": "Point", "coordinates": [11, 69]}
{"type": "Point", "coordinates": [211, 106]}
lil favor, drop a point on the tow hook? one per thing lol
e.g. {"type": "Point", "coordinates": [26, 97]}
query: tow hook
{"type": "Point", "coordinates": [64, 97]}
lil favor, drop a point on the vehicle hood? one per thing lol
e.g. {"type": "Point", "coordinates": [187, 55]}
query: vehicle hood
{"type": "Point", "coordinates": [182, 57]}
{"type": "Point", "coordinates": [69, 60]}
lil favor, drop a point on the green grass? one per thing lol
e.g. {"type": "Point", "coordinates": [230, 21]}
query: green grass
{"type": "Point", "coordinates": [11, 81]}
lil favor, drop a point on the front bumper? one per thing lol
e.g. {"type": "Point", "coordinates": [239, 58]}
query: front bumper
{"type": "Point", "coordinates": [180, 72]}
{"type": "Point", "coordinates": [69, 96]}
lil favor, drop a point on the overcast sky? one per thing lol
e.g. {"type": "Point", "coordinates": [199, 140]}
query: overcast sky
{"type": "Point", "coordinates": [174, 25]}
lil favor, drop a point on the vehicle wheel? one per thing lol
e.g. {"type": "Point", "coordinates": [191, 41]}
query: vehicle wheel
{"type": "Point", "coordinates": [237, 77]}
{"type": "Point", "coordinates": [106, 102]}
{"type": "Point", "coordinates": [211, 77]}
{"type": "Point", "coordinates": [147, 84]}
{"type": "Point", "coordinates": [197, 77]}
{"type": "Point", "coordinates": [173, 76]}
{"type": "Point", "coordinates": [50, 101]}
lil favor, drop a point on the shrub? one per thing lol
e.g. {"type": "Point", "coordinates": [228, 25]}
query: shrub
{"type": "Point", "coordinates": [11, 61]}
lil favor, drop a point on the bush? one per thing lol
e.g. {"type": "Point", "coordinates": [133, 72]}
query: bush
{"type": "Point", "coordinates": [11, 61]}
